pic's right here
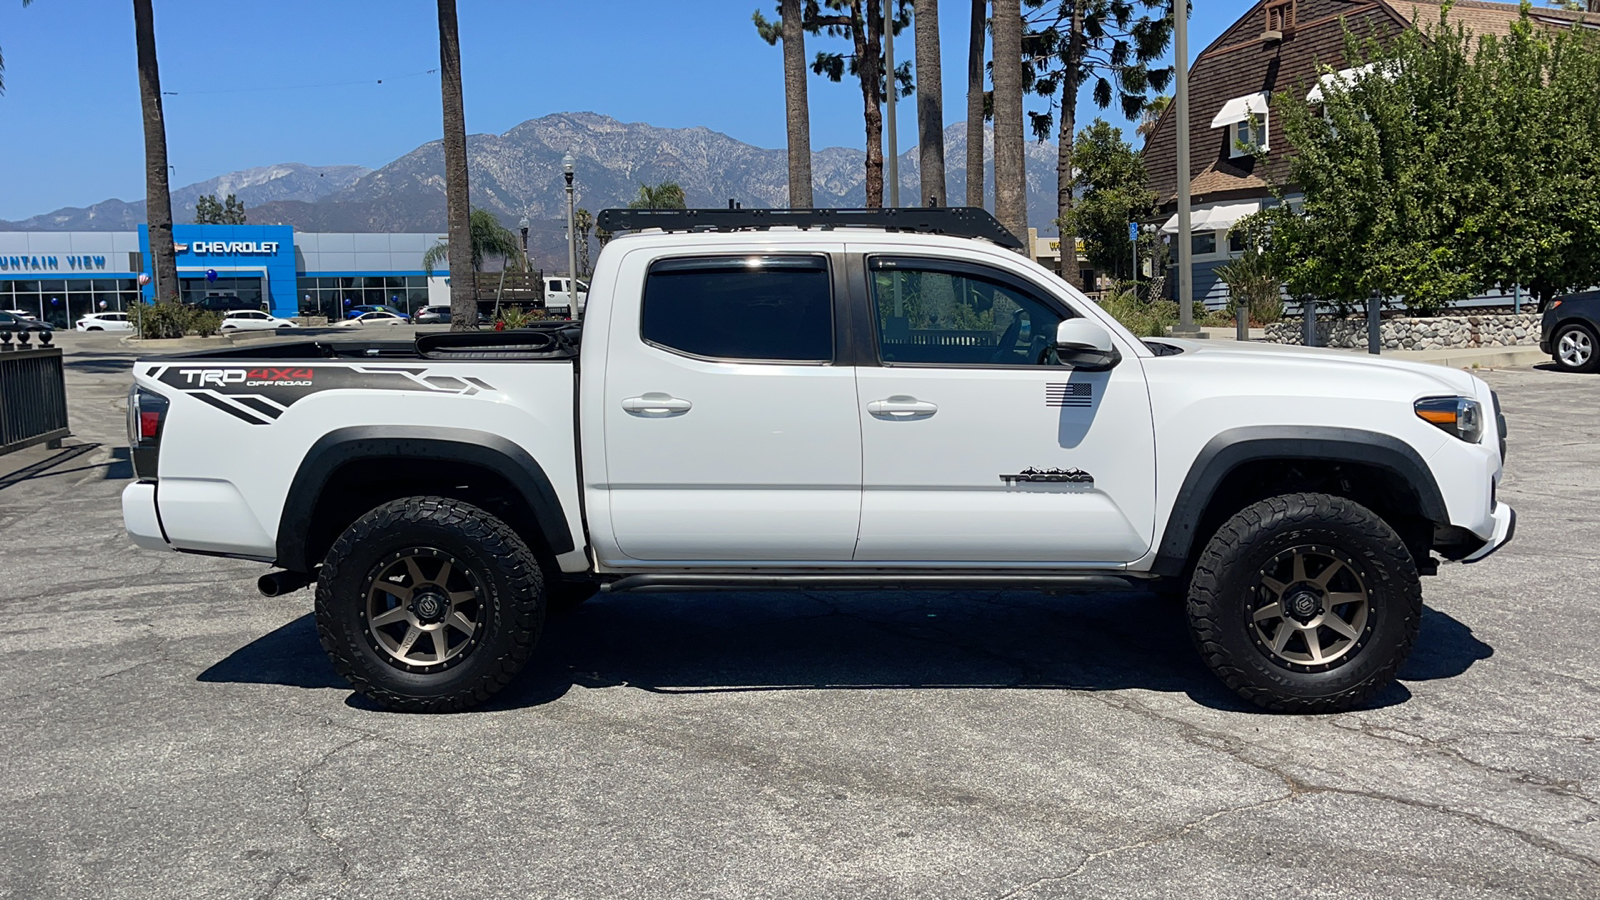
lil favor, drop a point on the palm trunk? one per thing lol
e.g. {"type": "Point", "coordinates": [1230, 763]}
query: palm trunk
{"type": "Point", "coordinates": [796, 106]}
{"type": "Point", "coordinates": [869, 67]}
{"type": "Point", "coordinates": [1064, 144]}
{"type": "Point", "coordinates": [975, 105]}
{"type": "Point", "coordinates": [930, 104]}
{"type": "Point", "coordinates": [158, 196]}
{"type": "Point", "coordinates": [1010, 179]}
{"type": "Point", "coordinates": [458, 207]}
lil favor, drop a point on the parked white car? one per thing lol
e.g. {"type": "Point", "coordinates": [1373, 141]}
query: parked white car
{"type": "Point", "coordinates": [373, 318]}
{"type": "Point", "coordinates": [106, 321]}
{"type": "Point", "coordinates": [253, 320]}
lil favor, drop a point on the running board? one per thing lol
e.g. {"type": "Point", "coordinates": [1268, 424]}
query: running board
{"type": "Point", "coordinates": [876, 581]}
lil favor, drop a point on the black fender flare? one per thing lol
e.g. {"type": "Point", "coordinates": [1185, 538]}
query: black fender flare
{"type": "Point", "coordinates": [480, 448]}
{"type": "Point", "coordinates": [1238, 446]}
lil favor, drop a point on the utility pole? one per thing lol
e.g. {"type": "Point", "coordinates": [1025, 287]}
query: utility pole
{"type": "Point", "coordinates": [1180, 48]}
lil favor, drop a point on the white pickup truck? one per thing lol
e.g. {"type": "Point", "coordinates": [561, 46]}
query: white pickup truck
{"type": "Point", "coordinates": [558, 295]}
{"type": "Point", "coordinates": [808, 401]}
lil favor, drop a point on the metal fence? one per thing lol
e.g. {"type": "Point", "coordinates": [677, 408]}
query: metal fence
{"type": "Point", "coordinates": [33, 397]}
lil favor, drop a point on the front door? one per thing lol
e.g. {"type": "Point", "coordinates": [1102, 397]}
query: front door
{"type": "Point", "coordinates": [977, 444]}
{"type": "Point", "coordinates": [730, 433]}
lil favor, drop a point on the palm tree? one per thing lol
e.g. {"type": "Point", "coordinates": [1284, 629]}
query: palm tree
{"type": "Point", "coordinates": [862, 22]}
{"type": "Point", "coordinates": [158, 196]}
{"type": "Point", "coordinates": [3, 58]}
{"type": "Point", "coordinates": [975, 113]}
{"type": "Point", "coordinates": [463, 303]}
{"type": "Point", "coordinates": [1010, 196]}
{"type": "Point", "coordinates": [790, 28]}
{"type": "Point", "coordinates": [930, 104]}
{"type": "Point", "coordinates": [666, 195]}
{"type": "Point", "coordinates": [583, 220]}
{"type": "Point", "coordinates": [1151, 115]}
{"type": "Point", "coordinates": [487, 237]}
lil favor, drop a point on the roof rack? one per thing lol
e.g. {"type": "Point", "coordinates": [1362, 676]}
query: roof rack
{"type": "Point", "coordinates": [958, 221]}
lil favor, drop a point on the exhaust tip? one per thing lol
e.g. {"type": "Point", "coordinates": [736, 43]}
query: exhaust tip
{"type": "Point", "coordinates": [276, 584]}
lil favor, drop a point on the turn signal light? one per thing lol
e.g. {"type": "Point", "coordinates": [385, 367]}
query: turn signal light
{"type": "Point", "coordinates": [1461, 416]}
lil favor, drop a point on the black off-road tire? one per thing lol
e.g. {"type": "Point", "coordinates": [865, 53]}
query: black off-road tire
{"type": "Point", "coordinates": [1230, 590]}
{"type": "Point", "coordinates": [510, 613]}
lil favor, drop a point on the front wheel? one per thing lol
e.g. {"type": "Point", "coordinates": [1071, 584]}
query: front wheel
{"type": "Point", "coordinates": [429, 604]}
{"type": "Point", "coordinates": [1575, 348]}
{"type": "Point", "coordinates": [1305, 603]}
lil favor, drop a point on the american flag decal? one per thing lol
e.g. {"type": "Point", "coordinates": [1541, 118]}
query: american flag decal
{"type": "Point", "coordinates": [1081, 394]}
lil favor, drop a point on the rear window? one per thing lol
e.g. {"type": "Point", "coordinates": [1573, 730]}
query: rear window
{"type": "Point", "coordinates": [775, 308]}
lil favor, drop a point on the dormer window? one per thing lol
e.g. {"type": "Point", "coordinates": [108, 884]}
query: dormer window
{"type": "Point", "coordinates": [1245, 118]}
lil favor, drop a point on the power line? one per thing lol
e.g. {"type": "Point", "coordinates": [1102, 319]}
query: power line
{"type": "Point", "coordinates": [300, 87]}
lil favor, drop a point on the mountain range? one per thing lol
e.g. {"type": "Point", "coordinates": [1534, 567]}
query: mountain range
{"type": "Point", "coordinates": [518, 173]}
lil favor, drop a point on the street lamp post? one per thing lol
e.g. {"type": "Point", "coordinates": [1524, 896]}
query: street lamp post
{"type": "Point", "coordinates": [1180, 103]}
{"type": "Point", "coordinates": [572, 241]}
{"type": "Point", "coordinates": [522, 224]}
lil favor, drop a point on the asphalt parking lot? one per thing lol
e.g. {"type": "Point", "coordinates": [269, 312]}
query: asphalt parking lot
{"type": "Point", "coordinates": [173, 734]}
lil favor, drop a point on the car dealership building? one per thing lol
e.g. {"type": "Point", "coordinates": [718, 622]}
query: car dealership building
{"type": "Point", "coordinates": [60, 276]}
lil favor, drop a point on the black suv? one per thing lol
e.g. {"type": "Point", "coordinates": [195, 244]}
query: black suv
{"type": "Point", "coordinates": [1570, 332]}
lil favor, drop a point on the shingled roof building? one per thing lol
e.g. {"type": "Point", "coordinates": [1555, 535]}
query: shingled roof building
{"type": "Point", "coordinates": [1278, 45]}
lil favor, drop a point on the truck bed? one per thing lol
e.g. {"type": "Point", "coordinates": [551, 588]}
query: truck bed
{"type": "Point", "coordinates": [557, 341]}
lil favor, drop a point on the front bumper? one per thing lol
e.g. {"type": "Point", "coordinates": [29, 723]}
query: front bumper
{"type": "Point", "coordinates": [139, 516]}
{"type": "Point", "coordinates": [1505, 527]}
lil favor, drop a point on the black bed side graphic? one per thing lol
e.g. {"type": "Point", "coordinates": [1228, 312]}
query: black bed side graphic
{"type": "Point", "coordinates": [260, 394]}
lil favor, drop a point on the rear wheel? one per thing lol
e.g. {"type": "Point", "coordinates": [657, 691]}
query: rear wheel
{"type": "Point", "coordinates": [429, 604]}
{"type": "Point", "coordinates": [1575, 348]}
{"type": "Point", "coordinates": [1305, 603]}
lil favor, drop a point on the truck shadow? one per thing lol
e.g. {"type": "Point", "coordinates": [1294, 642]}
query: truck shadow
{"type": "Point", "coordinates": [739, 643]}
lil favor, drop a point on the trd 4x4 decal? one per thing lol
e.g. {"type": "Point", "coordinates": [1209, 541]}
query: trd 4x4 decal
{"type": "Point", "coordinates": [259, 394]}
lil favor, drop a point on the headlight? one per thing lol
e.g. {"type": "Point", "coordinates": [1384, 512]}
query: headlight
{"type": "Point", "coordinates": [1461, 416]}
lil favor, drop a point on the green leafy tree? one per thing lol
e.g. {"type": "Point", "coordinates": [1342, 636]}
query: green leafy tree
{"type": "Point", "coordinates": [208, 210]}
{"type": "Point", "coordinates": [488, 238]}
{"type": "Point", "coordinates": [666, 195]}
{"type": "Point", "coordinates": [1444, 165]}
{"type": "Point", "coordinates": [1110, 46]}
{"type": "Point", "coordinates": [1380, 167]}
{"type": "Point", "coordinates": [1112, 181]}
{"type": "Point", "coordinates": [1533, 215]}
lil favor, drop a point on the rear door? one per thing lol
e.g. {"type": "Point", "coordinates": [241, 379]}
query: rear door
{"type": "Point", "coordinates": [730, 421]}
{"type": "Point", "coordinates": [978, 446]}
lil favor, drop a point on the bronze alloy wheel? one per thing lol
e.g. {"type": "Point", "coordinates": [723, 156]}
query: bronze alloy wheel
{"type": "Point", "coordinates": [423, 609]}
{"type": "Point", "coordinates": [1312, 610]}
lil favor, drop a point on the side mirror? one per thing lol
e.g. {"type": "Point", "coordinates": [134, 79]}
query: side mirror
{"type": "Point", "coordinates": [1084, 344]}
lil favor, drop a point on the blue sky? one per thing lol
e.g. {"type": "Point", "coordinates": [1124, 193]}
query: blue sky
{"type": "Point", "coordinates": [264, 82]}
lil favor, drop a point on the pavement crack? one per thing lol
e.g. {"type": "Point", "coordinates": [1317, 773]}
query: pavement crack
{"type": "Point", "coordinates": [1176, 834]}
{"type": "Point", "coordinates": [302, 790]}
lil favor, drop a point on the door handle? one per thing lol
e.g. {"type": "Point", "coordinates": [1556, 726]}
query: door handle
{"type": "Point", "coordinates": [902, 407]}
{"type": "Point", "coordinates": [656, 403]}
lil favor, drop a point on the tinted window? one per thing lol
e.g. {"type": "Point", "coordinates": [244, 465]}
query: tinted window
{"type": "Point", "coordinates": [925, 315]}
{"type": "Point", "coordinates": [756, 307]}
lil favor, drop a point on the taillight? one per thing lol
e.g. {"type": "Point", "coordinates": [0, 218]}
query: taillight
{"type": "Point", "coordinates": [147, 412]}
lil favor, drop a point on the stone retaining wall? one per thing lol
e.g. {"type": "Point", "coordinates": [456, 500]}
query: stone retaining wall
{"type": "Point", "coordinates": [1486, 330]}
